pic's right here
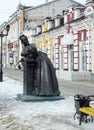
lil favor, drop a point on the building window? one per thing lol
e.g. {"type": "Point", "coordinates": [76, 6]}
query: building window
{"type": "Point", "coordinates": [84, 60]}
{"type": "Point", "coordinates": [53, 56]}
{"type": "Point", "coordinates": [46, 50]}
{"type": "Point", "coordinates": [82, 35]}
{"type": "Point", "coordinates": [62, 60]}
{"type": "Point", "coordinates": [72, 59]}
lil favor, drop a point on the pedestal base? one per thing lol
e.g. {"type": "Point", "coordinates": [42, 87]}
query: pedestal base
{"type": "Point", "coordinates": [29, 98]}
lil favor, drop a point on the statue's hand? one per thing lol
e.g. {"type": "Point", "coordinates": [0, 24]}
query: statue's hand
{"type": "Point", "coordinates": [22, 59]}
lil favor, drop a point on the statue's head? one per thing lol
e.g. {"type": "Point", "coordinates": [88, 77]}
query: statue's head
{"type": "Point", "coordinates": [24, 39]}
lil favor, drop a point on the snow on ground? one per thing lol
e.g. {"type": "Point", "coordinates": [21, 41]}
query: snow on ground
{"type": "Point", "coordinates": [47, 115]}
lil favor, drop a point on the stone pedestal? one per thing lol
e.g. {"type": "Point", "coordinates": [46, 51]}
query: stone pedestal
{"type": "Point", "coordinates": [29, 98]}
{"type": "Point", "coordinates": [28, 77]}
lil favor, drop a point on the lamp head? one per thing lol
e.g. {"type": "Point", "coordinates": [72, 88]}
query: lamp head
{"type": "Point", "coordinates": [7, 27]}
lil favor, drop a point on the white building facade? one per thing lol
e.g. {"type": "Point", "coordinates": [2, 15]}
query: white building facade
{"type": "Point", "coordinates": [64, 31]}
{"type": "Point", "coordinates": [70, 43]}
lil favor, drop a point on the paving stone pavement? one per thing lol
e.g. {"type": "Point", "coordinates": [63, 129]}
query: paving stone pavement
{"type": "Point", "coordinates": [67, 88]}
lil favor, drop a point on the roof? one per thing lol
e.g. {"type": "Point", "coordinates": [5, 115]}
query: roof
{"type": "Point", "coordinates": [47, 3]}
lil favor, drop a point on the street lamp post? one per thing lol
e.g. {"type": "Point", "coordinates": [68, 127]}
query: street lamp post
{"type": "Point", "coordinates": [2, 35]}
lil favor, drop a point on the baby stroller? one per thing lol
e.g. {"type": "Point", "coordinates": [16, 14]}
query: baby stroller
{"type": "Point", "coordinates": [80, 102]}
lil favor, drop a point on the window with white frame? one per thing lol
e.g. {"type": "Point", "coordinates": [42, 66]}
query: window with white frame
{"type": "Point", "coordinates": [53, 56]}
{"type": "Point", "coordinates": [62, 59]}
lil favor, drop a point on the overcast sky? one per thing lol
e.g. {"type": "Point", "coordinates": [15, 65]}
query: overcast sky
{"type": "Point", "coordinates": [7, 7]}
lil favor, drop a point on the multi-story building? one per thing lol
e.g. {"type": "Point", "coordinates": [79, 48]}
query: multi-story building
{"type": "Point", "coordinates": [64, 30]}
{"type": "Point", "coordinates": [26, 19]}
{"type": "Point", "coordinates": [16, 22]}
{"type": "Point", "coordinates": [70, 45]}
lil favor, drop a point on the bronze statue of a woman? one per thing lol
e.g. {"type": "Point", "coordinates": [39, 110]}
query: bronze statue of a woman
{"type": "Point", "coordinates": [39, 73]}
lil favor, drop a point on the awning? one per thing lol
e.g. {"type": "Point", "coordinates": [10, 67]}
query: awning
{"type": "Point", "coordinates": [68, 39]}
